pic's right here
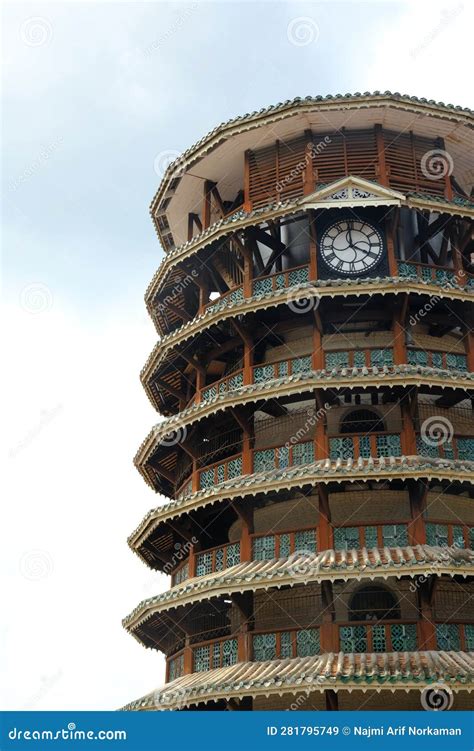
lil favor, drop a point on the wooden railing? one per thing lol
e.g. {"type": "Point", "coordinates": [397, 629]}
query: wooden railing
{"type": "Point", "coordinates": [368, 357]}
{"type": "Point", "coordinates": [281, 368]}
{"type": "Point", "coordinates": [217, 559]}
{"type": "Point", "coordinates": [283, 544]}
{"type": "Point", "coordinates": [437, 359]}
{"type": "Point", "coordinates": [280, 280]}
{"type": "Point", "coordinates": [216, 653]}
{"type": "Point", "coordinates": [441, 276]}
{"type": "Point", "coordinates": [233, 295]}
{"type": "Point", "coordinates": [342, 446]}
{"type": "Point", "coordinates": [386, 636]}
{"type": "Point", "coordinates": [364, 445]}
{"type": "Point", "coordinates": [367, 535]}
{"type": "Point", "coordinates": [443, 446]}
{"type": "Point", "coordinates": [229, 382]}
{"type": "Point", "coordinates": [442, 534]}
{"type": "Point", "coordinates": [285, 643]}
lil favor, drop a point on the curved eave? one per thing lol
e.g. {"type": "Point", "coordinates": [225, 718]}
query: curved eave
{"type": "Point", "coordinates": [321, 472]}
{"type": "Point", "coordinates": [318, 289]}
{"type": "Point", "coordinates": [328, 565]}
{"type": "Point", "coordinates": [363, 378]}
{"type": "Point", "coordinates": [386, 671]}
{"type": "Point", "coordinates": [241, 219]}
{"type": "Point", "coordinates": [360, 104]}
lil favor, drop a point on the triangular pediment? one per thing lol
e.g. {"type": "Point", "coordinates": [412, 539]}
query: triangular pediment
{"type": "Point", "coordinates": [353, 191]}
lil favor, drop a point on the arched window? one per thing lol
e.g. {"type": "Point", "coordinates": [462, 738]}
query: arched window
{"type": "Point", "coordinates": [362, 421]}
{"type": "Point", "coordinates": [373, 603]}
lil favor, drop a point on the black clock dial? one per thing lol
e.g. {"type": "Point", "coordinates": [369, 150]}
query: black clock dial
{"type": "Point", "coordinates": [351, 246]}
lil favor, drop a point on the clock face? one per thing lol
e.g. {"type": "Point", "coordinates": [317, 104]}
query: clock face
{"type": "Point", "coordinates": [351, 246]}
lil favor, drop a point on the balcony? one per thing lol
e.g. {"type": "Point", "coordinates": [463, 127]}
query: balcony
{"type": "Point", "coordinates": [334, 360]}
{"type": "Point", "coordinates": [341, 447]}
{"type": "Point", "coordinates": [282, 544]}
{"type": "Point", "coordinates": [437, 275]}
{"type": "Point", "coordinates": [352, 637]}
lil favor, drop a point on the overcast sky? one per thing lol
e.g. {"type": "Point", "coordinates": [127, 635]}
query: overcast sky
{"type": "Point", "coordinates": [95, 96]}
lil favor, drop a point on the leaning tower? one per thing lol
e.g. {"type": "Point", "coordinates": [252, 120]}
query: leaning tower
{"type": "Point", "coordinates": [314, 372]}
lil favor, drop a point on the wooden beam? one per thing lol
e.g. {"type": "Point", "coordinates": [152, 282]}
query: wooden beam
{"type": "Point", "coordinates": [194, 364]}
{"type": "Point", "coordinates": [170, 389]}
{"type": "Point", "coordinates": [179, 312]}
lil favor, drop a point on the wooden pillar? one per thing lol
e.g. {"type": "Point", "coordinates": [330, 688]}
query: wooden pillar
{"type": "Point", "coordinates": [446, 162]}
{"type": "Point", "coordinates": [247, 201]}
{"type": "Point", "coordinates": [408, 436]}
{"type": "Point", "coordinates": [469, 343]}
{"type": "Point", "coordinates": [317, 355]}
{"type": "Point", "coordinates": [332, 701]}
{"type": "Point", "coordinates": [398, 332]}
{"type": "Point", "coordinates": [382, 172]}
{"type": "Point", "coordinates": [308, 175]}
{"type": "Point", "coordinates": [243, 638]}
{"type": "Point", "coordinates": [325, 531]}
{"type": "Point", "coordinates": [313, 246]}
{"type": "Point", "coordinates": [328, 629]}
{"type": "Point", "coordinates": [206, 207]}
{"type": "Point", "coordinates": [200, 383]}
{"type": "Point", "coordinates": [426, 627]}
{"type": "Point", "coordinates": [187, 658]}
{"type": "Point", "coordinates": [248, 274]}
{"type": "Point", "coordinates": [418, 493]}
{"type": "Point", "coordinates": [248, 361]}
{"type": "Point", "coordinates": [192, 562]}
{"type": "Point", "coordinates": [245, 514]}
{"type": "Point", "coordinates": [321, 443]}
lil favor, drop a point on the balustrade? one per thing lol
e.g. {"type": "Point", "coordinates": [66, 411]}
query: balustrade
{"type": "Point", "coordinates": [371, 536]}
{"type": "Point", "coordinates": [364, 446]}
{"type": "Point", "coordinates": [443, 535]}
{"type": "Point", "coordinates": [283, 644]}
{"type": "Point", "coordinates": [370, 357]}
{"type": "Point", "coordinates": [459, 447]}
{"type": "Point", "coordinates": [378, 637]}
{"type": "Point", "coordinates": [280, 280]}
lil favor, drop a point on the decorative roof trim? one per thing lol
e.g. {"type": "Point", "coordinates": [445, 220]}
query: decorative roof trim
{"type": "Point", "coordinates": [396, 375]}
{"type": "Point", "coordinates": [286, 109]}
{"type": "Point", "coordinates": [321, 472]}
{"type": "Point", "coordinates": [389, 671]}
{"type": "Point", "coordinates": [352, 191]}
{"type": "Point", "coordinates": [328, 565]}
{"type": "Point", "coordinates": [241, 220]}
{"type": "Point", "coordinates": [317, 289]}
